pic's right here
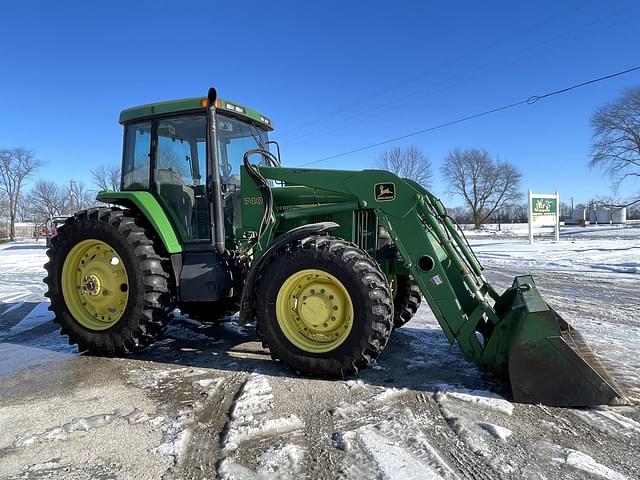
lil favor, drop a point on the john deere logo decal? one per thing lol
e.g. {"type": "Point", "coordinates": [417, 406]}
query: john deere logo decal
{"type": "Point", "coordinates": [385, 192]}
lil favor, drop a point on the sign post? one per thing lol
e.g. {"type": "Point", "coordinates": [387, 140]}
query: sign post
{"type": "Point", "coordinates": [544, 209]}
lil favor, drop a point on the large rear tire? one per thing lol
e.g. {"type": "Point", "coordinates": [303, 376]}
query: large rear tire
{"type": "Point", "coordinates": [323, 307]}
{"type": "Point", "coordinates": [111, 289]}
{"type": "Point", "coordinates": [406, 299]}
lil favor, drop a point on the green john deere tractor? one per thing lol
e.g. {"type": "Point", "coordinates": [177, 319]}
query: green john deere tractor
{"type": "Point", "coordinates": [326, 262]}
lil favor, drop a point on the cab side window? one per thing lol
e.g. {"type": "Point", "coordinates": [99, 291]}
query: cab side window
{"type": "Point", "coordinates": [137, 155]}
{"type": "Point", "coordinates": [180, 174]}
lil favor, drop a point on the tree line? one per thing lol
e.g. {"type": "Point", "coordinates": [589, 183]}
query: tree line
{"type": "Point", "coordinates": [44, 199]}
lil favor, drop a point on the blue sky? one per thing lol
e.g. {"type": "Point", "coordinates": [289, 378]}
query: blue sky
{"type": "Point", "coordinates": [333, 76]}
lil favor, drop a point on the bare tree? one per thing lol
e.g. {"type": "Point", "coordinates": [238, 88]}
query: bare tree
{"type": "Point", "coordinates": [4, 205]}
{"type": "Point", "coordinates": [47, 199]}
{"type": "Point", "coordinates": [80, 197]}
{"type": "Point", "coordinates": [485, 186]}
{"type": "Point", "coordinates": [411, 163]}
{"type": "Point", "coordinates": [23, 212]}
{"type": "Point", "coordinates": [106, 177]}
{"type": "Point", "coordinates": [16, 165]}
{"type": "Point", "coordinates": [616, 137]}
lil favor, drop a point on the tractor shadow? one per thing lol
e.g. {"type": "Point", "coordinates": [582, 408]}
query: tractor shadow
{"type": "Point", "coordinates": [418, 359]}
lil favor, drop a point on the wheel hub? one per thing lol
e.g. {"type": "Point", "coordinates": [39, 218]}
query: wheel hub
{"type": "Point", "coordinates": [92, 285]}
{"type": "Point", "coordinates": [314, 310]}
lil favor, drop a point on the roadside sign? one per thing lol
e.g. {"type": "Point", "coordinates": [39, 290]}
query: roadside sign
{"type": "Point", "coordinates": [544, 209]}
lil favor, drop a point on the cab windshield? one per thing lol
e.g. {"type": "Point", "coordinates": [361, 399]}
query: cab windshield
{"type": "Point", "coordinates": [184, 137]}
{"type": "Point", "coordinates": [235, 137]}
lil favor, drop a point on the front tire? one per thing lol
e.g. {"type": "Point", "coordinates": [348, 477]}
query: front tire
{"type": "Point", "coordinates": [109, 285]}
{"type": "Point", "coordinates": [323, 307]}
{"type": "Point", "coordinates": [406, 299]}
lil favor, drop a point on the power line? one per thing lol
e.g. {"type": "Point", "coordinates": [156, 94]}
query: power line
{"type": "Point", "coordinates": [286, 136]}
{"type": "Point", "coordinates": [529, 101]}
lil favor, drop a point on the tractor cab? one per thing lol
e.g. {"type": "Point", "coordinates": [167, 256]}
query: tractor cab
{"type": "Point", "coordinates": [165, 153]}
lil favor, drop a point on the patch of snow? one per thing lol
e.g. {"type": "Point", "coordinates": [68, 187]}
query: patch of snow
{"type": "Point", "coordinates": [397, 447]}
{"type": "Point", "coordinates": [609, 421]}
{"type": "Point", "coordinates": [208, 386]}
{"type": "Point", "coordinates": [40, 467]}
{"type": "Point", "coordinates": [354, 384]}
{"type": "Point", "coordinates": [137, 416]}
{"type": "Point", "coordinates": [577, 460]}
{"type": "Point", "coordinates": [501, 433]}
{"type": "Point", "coordinates": [287, 458]}
{"type": "Point", "coordinates": [22, 271]}
{"type": "Point", "coordinates": [345, 410]}
{"type": "Point", "coordinates": [482, 398]}
{"type": "Point", "coordinates": [393, 459]}
{"type": "Point", "coordinates": [231, 470]}
{"type": "Point", "coordinates": [388, 394]}
{"type": "Point", "coordinates": [174, 444]}
{"type": "Point", "coordinates": [63, 432]}
{"type": "Point", "coordinates": [250, 414]}
{"type": "Point", "coordinates": [261, 428]}
{"type": "Point", "coordinates": [344, 440]}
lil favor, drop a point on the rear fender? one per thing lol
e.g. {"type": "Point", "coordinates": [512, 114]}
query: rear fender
{"type": "Point", "coordinates": [150, 208]}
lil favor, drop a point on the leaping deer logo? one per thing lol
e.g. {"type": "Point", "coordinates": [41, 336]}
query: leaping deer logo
{"type": "Point", "coordinates": [385, 192]}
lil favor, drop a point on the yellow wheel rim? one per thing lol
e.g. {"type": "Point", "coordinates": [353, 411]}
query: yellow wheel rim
{"type": "Point", "coordinates": [314, 311]}
{"type": "Point", "coordinates": [95, 284]}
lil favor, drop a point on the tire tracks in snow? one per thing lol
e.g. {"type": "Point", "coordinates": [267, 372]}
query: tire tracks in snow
{"type": "Point", "coordinates": [204, 449]}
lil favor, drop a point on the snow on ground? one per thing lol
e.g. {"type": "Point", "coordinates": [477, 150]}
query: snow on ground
{"type": "Point", "coordinates": [22, 271]}
{"type": "Point", "coordinates": [569, 254]}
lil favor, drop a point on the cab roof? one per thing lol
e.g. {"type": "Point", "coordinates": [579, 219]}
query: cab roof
{"type": "Point", "coordinates": [191, 104]}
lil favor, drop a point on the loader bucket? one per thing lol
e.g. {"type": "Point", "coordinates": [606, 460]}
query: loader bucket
{"type": "Point", "coordinates": [549, 361]}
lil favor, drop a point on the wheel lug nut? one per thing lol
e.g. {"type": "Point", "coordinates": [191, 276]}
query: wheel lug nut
{"type": "Point", "coordinates": [330, 297]}
{"type": "Point", "coordinates": [322, 290]}
{"type": "Point", "coordinates": [333, 319]}
{"type": "Point", "coordinates": [335, 307]}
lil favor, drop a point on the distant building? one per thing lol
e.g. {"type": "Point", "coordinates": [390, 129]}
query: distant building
{"type": "Point", "coordinates": [608, 214]}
